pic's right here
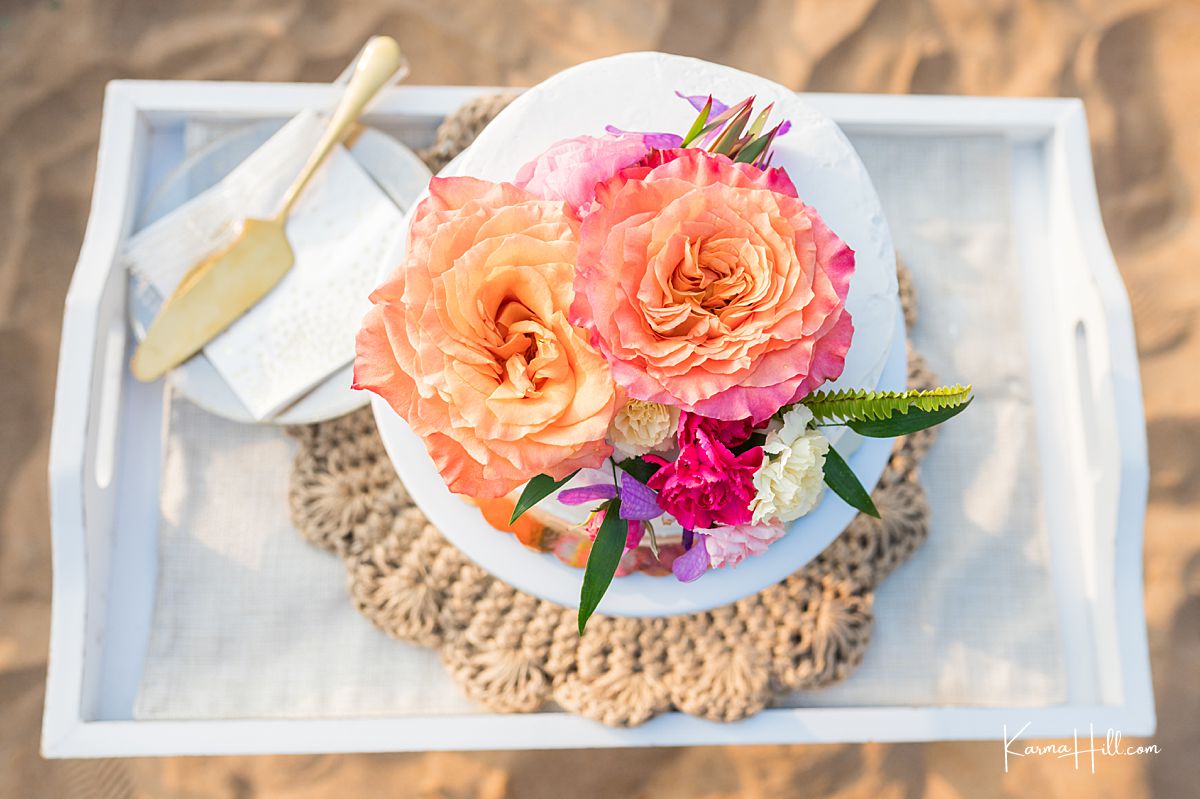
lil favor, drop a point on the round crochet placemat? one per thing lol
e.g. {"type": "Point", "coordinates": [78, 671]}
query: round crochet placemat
{"type": "Point", "coordinates": [514, 652]}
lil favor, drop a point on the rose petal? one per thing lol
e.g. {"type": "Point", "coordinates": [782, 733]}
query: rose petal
{"type": "Point", "coordinates": [584, 494]}
{"type": "Point", "coordinates": [570, 169]}
{"type": "Point", "coordinates": [692, 565]}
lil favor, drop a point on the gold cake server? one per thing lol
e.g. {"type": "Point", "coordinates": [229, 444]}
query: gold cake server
{"type": "Point", "coordinates": [226, 284]}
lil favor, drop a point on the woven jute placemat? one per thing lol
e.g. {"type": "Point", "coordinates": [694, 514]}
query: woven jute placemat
{"type": "Point", "coordinates": [514, 652]}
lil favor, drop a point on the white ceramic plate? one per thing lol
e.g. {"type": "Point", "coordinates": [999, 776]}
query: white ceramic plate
{"type": "Point", "coordinates": [830, 176]}
{"type": "Point", "coordinates": [395, 168]}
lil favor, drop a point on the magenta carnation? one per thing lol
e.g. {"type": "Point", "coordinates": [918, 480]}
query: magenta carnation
{"type": "Point", "coordinates": [729, 433]}
{"type": "Point", "coordinates": [707, 485]}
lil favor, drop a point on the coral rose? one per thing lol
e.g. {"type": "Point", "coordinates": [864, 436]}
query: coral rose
{"type": "Point", "coordinates": [709, 286]}
{"type": "Point", "coordinates": [469, 341]}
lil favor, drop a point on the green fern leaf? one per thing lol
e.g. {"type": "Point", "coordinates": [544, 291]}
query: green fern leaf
{"type": "Point", "coordinates": [860, 405]}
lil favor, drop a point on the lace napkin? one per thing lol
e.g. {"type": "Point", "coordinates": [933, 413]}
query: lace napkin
{"type": "Point", "coordinates": [343, 231]}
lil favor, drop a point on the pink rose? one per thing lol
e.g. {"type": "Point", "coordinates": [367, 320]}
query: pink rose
{"type": "Point", "coordinates": [709, 286]}
{"type": "Point", "coordinates": [570, 169]}
{"type": "Point", "coordinates": [707, 484]}
{"type": "Point", "coordinates": [729, 546]}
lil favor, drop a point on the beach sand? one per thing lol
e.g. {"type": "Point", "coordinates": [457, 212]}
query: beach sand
{"type": "Point", "coordinates": [1135, 63]}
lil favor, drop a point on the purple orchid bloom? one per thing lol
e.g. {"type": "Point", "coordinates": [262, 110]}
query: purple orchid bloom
{"type": "Point", "coordinates": [638, 502]}
{"type": "Point", "coordinates": [698, 101]}
{"type": "Point", "coordinates": [583, 494]}
{"type": "Point", "coordinates": [659, 141]}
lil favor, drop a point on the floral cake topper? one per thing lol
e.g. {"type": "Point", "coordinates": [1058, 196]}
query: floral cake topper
{"type": "Point", "coordinates": [662, 306]}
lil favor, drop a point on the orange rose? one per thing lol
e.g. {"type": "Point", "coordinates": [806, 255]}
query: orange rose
{"type": "Point", "coordinates": [711, 288]}
{"type": "Point", "coordinates": [469, 341]}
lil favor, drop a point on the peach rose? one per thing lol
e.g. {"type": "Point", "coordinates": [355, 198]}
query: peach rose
{"type": "Point", "coordinates": [709, 286]}
{"type": "Point", "coordinates": [469, 341]}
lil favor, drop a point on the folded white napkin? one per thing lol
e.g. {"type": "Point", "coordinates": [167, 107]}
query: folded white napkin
{"type": "Point", "coordinates": [343, 231]}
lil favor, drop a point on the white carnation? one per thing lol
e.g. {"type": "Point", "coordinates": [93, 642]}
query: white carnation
{"type": "Point", "coordinates": [640, 427]}
{"type": "Point", "coordinates": [789, 482]}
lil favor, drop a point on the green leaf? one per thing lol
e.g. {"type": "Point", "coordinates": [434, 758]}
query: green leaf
{"type": "Point", "coordinates": [859, 405]}
{"type": "Point", "coordinates": [536, 490]}
{"type": "Point", "coordinates": [760, 121]}
{"type": "Point", "coordinates": [903, 424]}
{"type": "Point", "coordinates": [650, 534]}
{"type": "Point", "coordinates": [756, 439]}
{"type": "Point", "coordinates": [699, 124]}
{"type": "Point", "coordinates": [717, 121]}
{"type": "Point", "coordinates": [844, 482]}
{"type": "Point", "coordinates": [641, 470]}
{"type": "Point", "coordinates": [704, 131]}
{"type": "Point", "coordinates": [752, 151]}
{"type": "Point", "coordinates": [733, 133]}
{"type": "Point", "coordinates": [602, 560]}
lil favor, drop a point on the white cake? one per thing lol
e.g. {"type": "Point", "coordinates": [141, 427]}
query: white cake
{"type": "Point", "coordinates": [636, 92]}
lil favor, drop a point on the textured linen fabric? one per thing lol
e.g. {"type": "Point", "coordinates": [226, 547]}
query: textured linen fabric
{"type": "Point", "coordinates": [251, 621]}
{"type": "Point", "coordinates": [971, 619]}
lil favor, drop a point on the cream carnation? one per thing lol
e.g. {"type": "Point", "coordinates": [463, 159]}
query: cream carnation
{"type": "Point", "coordinates": [640, 427]}
{"type": "Point", "coordinates": [789, 482]}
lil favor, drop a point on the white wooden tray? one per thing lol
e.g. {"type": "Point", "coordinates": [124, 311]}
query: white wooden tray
{"type": "Point", "coordinates": [104, 462]}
